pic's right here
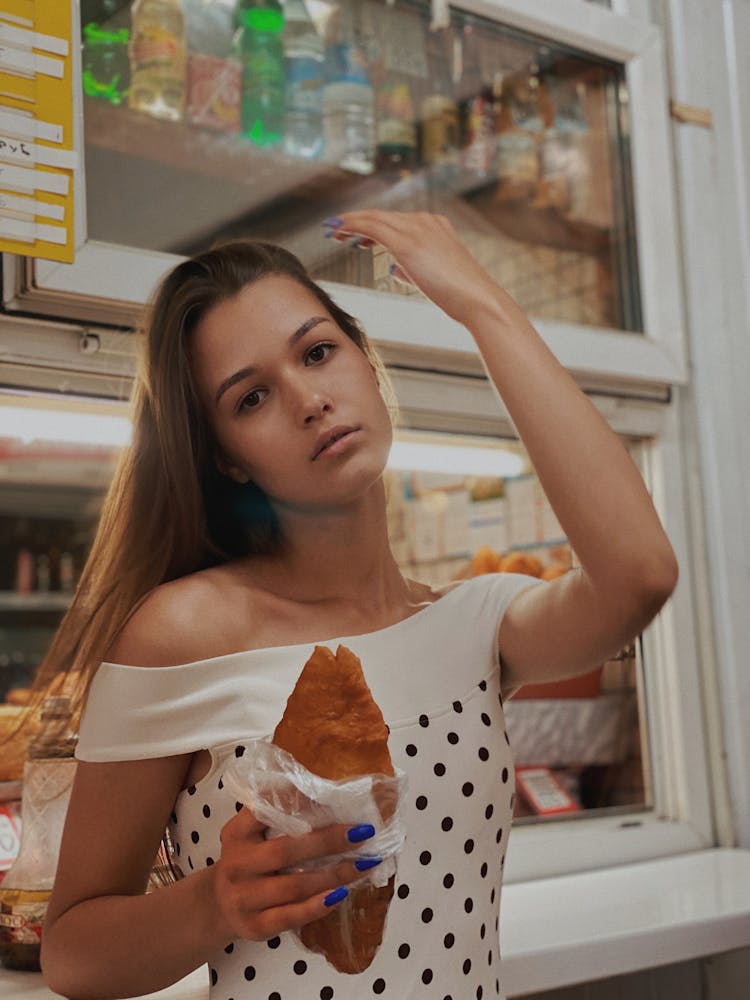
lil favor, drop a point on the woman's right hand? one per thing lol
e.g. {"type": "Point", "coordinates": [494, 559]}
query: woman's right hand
{"type": "Point", "coordinates": [255, 896]}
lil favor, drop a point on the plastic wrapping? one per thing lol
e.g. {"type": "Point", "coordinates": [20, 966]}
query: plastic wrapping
{"type": "Point", "coordinates": [292, 801]}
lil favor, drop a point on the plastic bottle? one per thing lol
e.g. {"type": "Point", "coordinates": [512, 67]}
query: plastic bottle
{"type": "Point", "coordinates": [304, 54]}
{"type": "Point", "coordinates": [106, 68]}
{"type": "Point", "coordinates": [158, 59]}
{"type": "Point", "coordinates": [47, 781]}
{"type": "Point", "coordinates": [214, 74]}
{"type": "Point", "coordinates": [261, 53]}
{"type": "Point", "coordinates": [348, 97]}
{"type": "Point", "coordinates": [397, 128]}
{"type": "Point", "coordinates": [440, 138]}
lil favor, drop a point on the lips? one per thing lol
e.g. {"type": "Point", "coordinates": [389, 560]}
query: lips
{"type": "Point", "coordinates": [329, 436]}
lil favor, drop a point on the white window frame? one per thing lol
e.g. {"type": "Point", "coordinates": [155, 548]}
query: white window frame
{"type": "Point", "coordinates": [108, 282]}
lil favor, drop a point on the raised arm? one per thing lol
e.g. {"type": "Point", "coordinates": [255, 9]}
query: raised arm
{"type": "Point", "coordinates": [628, 568]}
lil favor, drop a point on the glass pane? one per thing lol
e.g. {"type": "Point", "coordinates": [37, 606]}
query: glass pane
{"type": "Point", "coordinates": [578, 744]}
{"type": "Point", "coordinates": [580, 739]}
{"type": "Point", "coordinates": [206, 121]}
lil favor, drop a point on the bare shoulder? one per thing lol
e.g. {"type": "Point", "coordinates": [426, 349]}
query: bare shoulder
{"type": "Point", "coordinates": [176, 622]}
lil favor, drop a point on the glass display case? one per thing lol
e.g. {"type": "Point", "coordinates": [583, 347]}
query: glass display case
{"type": "Point", "coordinates": [541, 130]}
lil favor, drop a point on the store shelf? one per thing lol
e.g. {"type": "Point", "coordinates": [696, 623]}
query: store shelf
{"type": "Point", "coordinates": [271, 175]}
{"type": "Point", "coordinates": [10, 601]}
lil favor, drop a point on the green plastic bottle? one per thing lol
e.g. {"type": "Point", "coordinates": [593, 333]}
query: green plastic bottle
{"type": "Point", "coordinates": [261, 52]}
{"type": "Point", "coordinates": [106, 67]}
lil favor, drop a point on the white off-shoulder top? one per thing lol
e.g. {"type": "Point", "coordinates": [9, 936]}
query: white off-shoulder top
{"type": "Point", "coordinates": [436, 678]}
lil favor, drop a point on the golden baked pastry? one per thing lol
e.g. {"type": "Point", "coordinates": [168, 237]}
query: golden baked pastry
{"type": "Point", "coordinates": [485, 560]}
{"type": "Point", "coordinates": [333, 727]}
{"type": "Point", "coordinates": [521, 562]}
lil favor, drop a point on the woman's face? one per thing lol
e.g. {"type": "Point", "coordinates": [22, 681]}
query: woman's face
{"type": "Point", "coordinates": [277, 378]}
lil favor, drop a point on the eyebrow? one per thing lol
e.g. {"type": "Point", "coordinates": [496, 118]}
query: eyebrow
{"type": "Point", "coordinates": [249, 370]}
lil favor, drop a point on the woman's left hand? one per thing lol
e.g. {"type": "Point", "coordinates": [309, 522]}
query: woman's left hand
{"type": "Point", "coordinates": [427, 253]}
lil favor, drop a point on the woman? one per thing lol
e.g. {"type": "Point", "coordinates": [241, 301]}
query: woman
{"type": "Point", "coordinates": [261, 435]}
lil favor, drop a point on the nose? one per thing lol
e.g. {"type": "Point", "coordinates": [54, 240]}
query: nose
{"type": "Point", "coordinates": [315, 408]}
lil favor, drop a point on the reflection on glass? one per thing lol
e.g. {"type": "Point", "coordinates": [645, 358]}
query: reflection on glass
{"type": "Point", "coordinates": [458, 506]}
{"type": "Point", "coordinates": [577, 744]}
{"type": "Point", "coordinates": [284, 114]}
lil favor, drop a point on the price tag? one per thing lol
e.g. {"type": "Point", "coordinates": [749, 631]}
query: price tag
{"type": "Point", "coordinates": [543, 792]}
{"type": "Point", "coordinates": [10, 835]}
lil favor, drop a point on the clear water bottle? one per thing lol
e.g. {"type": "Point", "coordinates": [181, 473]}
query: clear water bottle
{"type": "Point", "coordinates": [261, 53]}
{"type": "Point", "coordinates": [158, 59]}
{"type": "Point", "coordinates": [348, 97]}
{"type": "Point", "coordinates": [304, 53]}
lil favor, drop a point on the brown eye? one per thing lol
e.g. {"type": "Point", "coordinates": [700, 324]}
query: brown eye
{"type": "Point", "coordinates": [318, 353]}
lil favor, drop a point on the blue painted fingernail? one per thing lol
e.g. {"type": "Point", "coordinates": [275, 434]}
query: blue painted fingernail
{"type": "Point", "coordinates": [362, 864]}
{"type": "Point", "coordinates": [336, 896]}
{"type": "Point", "coordinates": [356, 243]}
{"type": "Point", "coordinates": [392, 268]}
{"type": "Point", "coordinates": [358, 833]}
{"type": "Point", "coordinates": [332, 221]}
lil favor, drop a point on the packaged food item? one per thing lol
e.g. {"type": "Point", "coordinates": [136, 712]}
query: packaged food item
{"type": "Point", "coordinates": [328, 763]}
{"type": "Point", "coordinates": [214, 92]}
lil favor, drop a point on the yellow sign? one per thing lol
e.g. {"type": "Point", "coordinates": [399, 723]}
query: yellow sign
{"type": "Point", "coordinates": [37, 154]}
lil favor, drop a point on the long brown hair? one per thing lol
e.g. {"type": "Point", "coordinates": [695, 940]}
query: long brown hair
{"type": "Point", "coordinates": [169, 511]}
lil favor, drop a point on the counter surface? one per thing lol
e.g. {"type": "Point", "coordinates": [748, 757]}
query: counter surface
{"type": "Point", "coordinates": [577, 928]}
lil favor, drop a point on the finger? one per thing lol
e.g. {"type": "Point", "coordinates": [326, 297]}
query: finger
{"type": "Point", "coordinates": [281, 853]}
{"type": "Point", "coordinates": [292, 916]}
{"type": "Point", "coordinates": [296, 887]}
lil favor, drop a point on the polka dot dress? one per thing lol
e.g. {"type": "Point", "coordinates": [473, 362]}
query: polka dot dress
{"type": "Point", "coordinates": [436, 680]}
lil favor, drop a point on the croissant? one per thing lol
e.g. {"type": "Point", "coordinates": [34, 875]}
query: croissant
{"type": "Point", "coordinates": [333, 727]}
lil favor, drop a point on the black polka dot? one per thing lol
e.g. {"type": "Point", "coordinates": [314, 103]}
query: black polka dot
{"type": "Point", "coordinates": [191, 790]}
{"type": "Point", "coordinates": [489, 957]}
{"type": "Point", "coordinates": [421, 802]}
{"type": "Point", "coordinates": [479, 992]}
{"type": "Point", "coordinates": [453, 738]}
{"type": "Point", "coordinates": [427, 915]}
{"type": "Point", "coordinates": [489, 811]}
{"type": "Point", "coordinates": [191, 866]}
{"type": "Point", "coordinates": [507, 739]}
{"type": "Point", "coordinates": [483, 753]}
{"type": "Point", "coordinates": [499, 835]}
{"type": "Point", "coordinates": [273, 942]}
{"type": "Point", "coordinates": [326, 993]}
{"type": "Point", "coordinates": [195, 836]}
{"type": "Point", "coordinates": [221, 785]}
{"type": "Point", "coordinates": [466, 966]}
{"type": "Point", "coordinates": [486, 719]}
{"type": "Point", "coordinates": [300, 967]}
{"type": "Point", "coordinates": [482, 931]}
{"type": "Point", "coordinates": [467, 788]}
{"type": "Point", "coordinates": [427, 977]}
{"type": "Point", "coordinates": [505, 775]}
{"type": "Point", "coordinates": [209, 862]}
{"type": "Point", "coordinates": [403, 891]}
{"type": "Point", "coordinates": [447, 824]}
{"type": "Point", "coordinates": [468, 846]}
{"type": "Point", "coordinates": [207, 811]}
{"type": "Point", "coordinates": [274, 996]}
{"type": "Point", "coordinates": [214, 977]}
{"type": "Point", "coordinates": [439, 770]}
{"type": "Point", "coordinates": [424, 721]}
{"type": "Point", "coordinates": [483, 685]}
{"type": "Point", "coordinates": [237, 806]}
{"type": "Point", "coordinates": [239, 751]}
{"type": "Point", "coordinates": [425, 858]}
{"type": "Point", "coordinates": [403, 950]}
{"type": "Point", "coordinates": [178, 850]}
{"type": "Point", "coordinates": [483, 870]}
{"type": "Point", "coordinates": [448, 881]}
{"type": "Point", "coordinates": [250, 973]}
{"type": "Point", "coordinates": [229, 948]}
{"type": "Point", "coordinates": [468, 904]}
{"type": "Point", "coordinates": [458, 707]}
{"type": "Point", "coordinates": [492, 896]}
{"type": "Point", "coordinates": [411, 750]}
{"type": "Point", "coordinates": [449, 940]}
{"type": "Point", "coordinates": [378, 986]}
{"type": "Point", "coordinates": [497, 986]}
